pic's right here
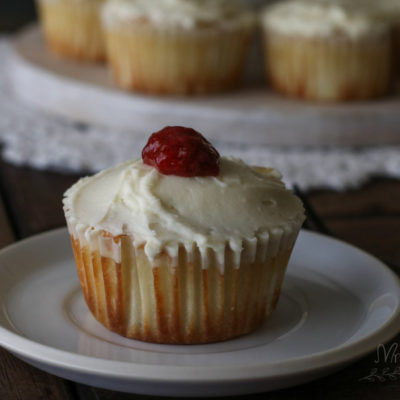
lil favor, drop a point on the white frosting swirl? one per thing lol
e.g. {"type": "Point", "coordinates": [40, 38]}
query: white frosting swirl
{"type": "Point", "coordinates": [163, 211]}
{"type": "Point", "coordinates": [325, 18]}
{"type": "Point", "coordinates": [185, 14]}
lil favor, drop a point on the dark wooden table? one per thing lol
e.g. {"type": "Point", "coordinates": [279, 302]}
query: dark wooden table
{"type": "Point", "coordinates": [369, 217]}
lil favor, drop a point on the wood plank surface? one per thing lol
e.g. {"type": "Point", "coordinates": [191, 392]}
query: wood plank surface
{"type": "Point", "coordinates": [34, 198]}
{"type": "Point", "coordinates": [18, 380]}
{"type": "Point", "coordinates": [368, 217]}
{"type": "Point", "coordinates": [379, 197]}
{"type": "Point", "coordinates": [6, 233]}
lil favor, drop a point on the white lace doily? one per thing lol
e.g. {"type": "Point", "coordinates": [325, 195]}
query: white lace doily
{"type": "Point", "coordinates": [39, 140]}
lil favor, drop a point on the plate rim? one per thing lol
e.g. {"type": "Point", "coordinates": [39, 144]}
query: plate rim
{"type": "Point", "coordinates": [129, 371]}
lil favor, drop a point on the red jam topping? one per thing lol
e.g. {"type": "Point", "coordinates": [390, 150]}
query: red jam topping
{"type": "Point", "coordinates": [176, 150]}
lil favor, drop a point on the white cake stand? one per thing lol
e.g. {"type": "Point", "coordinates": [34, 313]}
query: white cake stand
{"type": "Point", "coordinates": [253, 114]}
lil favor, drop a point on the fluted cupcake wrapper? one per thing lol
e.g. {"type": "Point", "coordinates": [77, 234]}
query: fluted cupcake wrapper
{"type": "Point", "coordinates": [172, 61]}
{"type": "Point", "coordinates": [187, 299]}
{"type": "Point", "coordinates": [73, 29]}
{"type": "Point", "coordinates": [329, 69]}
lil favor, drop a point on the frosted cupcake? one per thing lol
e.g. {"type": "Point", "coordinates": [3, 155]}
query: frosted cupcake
{"type": "Point", "coordinates": [182, 246]}
{"type": "Point", "coordinates": [327, 50]}
{"type": "Point", "coordinates": [72, 28]}
{"type": "Point", "coordinates": [177, 46]}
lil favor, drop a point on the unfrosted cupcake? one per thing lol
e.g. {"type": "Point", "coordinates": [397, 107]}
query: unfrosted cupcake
{"type": "Point", "coordinates": [327, 50]}
{"type": "Point", "coordinates": [182, 246]}
{"type": "Point", "coordinates": [177, 46]}
{"type": "Point", "coordinates": [72, 28]}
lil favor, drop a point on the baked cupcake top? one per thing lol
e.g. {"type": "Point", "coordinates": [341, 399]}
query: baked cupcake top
{"type": "Point", "coordinates": [162, 212]}
{"type": "Point", "coordinates": [184, 14]}
{"type": "Point", "coordinates": [325, 18]}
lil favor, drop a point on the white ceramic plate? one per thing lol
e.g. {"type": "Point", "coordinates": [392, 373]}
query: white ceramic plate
{"type": "Point", "coordinates": [252, 115]}
{"type": "Point", "coordinates": [338, 303]}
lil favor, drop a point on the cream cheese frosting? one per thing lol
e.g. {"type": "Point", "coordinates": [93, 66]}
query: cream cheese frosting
{"type": "Point", "coordinates": [324, 18]}
{"type": "Point", "coordinates": [163, 212]}
{"type": "Point", "coordinates": [185, 14]}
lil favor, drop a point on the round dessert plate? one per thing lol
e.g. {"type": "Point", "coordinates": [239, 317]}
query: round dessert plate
{"type": "Point", "coordinates": [251, 115]}
{"type": "Point", "coordinates": [338, 303]}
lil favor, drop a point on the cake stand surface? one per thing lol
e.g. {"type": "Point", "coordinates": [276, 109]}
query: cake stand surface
{"type": "Point", "coordinates": [253, 114]}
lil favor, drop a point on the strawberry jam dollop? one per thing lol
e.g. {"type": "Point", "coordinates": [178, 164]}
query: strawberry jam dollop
{"type": "Point", "coordinates": [176, 150]}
